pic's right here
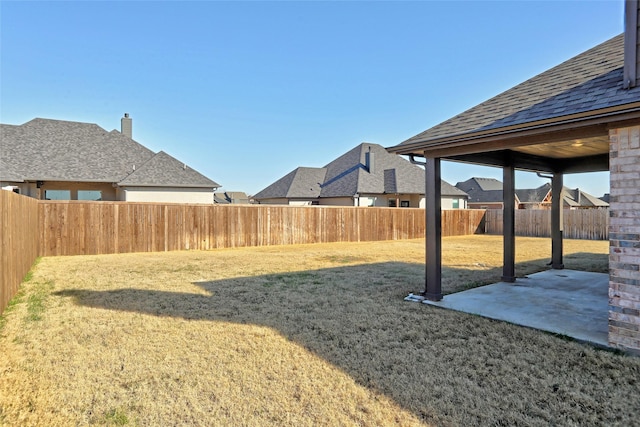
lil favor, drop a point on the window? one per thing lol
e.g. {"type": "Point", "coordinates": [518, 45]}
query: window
{"type": "Point", "coordinates": [404, 204]}
{"type": "Point", "coordinates": [392, 203]}
{"type": "Point", "coordinates": [57, 194]}
{"type": "Point", "coordinates": [89, 195]}
{"type": "Point", "coordinates": [455, 204]}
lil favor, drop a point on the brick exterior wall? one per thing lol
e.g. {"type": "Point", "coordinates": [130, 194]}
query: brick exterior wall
{"type": "Point", "coordinates": [624, 237]}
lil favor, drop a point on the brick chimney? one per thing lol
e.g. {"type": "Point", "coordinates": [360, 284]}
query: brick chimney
{"type": "Point", "coordinates": [126, 127]}
{"type": "Point", "coordinates": [631, 68]}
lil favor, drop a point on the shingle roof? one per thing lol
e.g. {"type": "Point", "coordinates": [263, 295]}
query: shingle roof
{"type": "Point", "coordinates": [482, 190]}
{"type": "Point", "coordinates": [587, 82]}
{"type": "Point", "coordinates": [57, 150]}
{"type": "Point", "coordinates": [8, 173]}
{"type": "Point", "coordinates": [489, 190]}
{"type": "Point", "coordinates": [349, 175]}
{"type": "Point", "coordinates": [162, 170]}
{"type": "Point", "coordinates": [301, 183]}
{"type": "Point", "coordinates": [577, 197]}
{"type": "Point", "coordinates": [533, 195]}
{"type": "Point", "coordinates": [228, 197]}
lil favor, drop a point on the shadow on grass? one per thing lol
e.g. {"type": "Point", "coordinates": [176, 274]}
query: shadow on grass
{"type": "Point", "coordinates": [444, 366]}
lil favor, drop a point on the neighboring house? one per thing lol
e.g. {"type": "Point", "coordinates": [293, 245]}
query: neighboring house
{"type": "Point", "coordinates": [537, 198]}
{"type": "Point", "coordinates": [484, 193]}
{"type": "Point", "coordinates": [55, 159]}
{"type": "Point", "coordinates": [367, 175]}
{"type": "Point", "coordinates": [578, 199]}
{"type": "Point", "coordinates": [540, 198]}
{"type": "Point", "coordinates": [231, 198]}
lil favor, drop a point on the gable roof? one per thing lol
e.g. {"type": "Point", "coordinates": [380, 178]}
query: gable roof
{"type": "Point", "coordinates": [365, 169]}
{"type": "Point", "coordinates": [58, 150]}
{"type": "Point", "coordinates": [533, 195]}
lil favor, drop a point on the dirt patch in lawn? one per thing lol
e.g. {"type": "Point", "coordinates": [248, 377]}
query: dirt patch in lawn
{"type": "Point", "coordinates": [296, 335]}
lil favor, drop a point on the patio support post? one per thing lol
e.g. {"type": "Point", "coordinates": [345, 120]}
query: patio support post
{"type": "Point", "coordinates": [509, 224]}
{"type": "Point", "coordinates": [433, 238]}
{"type": "Point", "coordinates": [556, 221]}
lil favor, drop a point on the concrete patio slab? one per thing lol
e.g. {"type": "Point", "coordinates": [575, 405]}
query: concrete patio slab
{"type": "Point", "coordinates": [567, 302]}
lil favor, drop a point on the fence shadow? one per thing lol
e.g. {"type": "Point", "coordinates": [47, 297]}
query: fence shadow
{"type": "Point", "coordinates": [355, 318]}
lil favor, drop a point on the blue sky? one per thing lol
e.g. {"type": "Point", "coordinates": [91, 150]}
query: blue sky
{"type": "Point", "coordinates": [245, 92]}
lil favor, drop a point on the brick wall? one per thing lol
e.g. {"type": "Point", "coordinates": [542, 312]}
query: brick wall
{"type": "Point", "coordinates": [624, 237]}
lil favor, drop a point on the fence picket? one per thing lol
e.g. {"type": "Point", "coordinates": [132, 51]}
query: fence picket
{"type": "Point", "coordinates": [119, 227]}
{"type": "Point", "coordinates": [29, 228]}
{"type": "Point", "coordinates": [591, 224]}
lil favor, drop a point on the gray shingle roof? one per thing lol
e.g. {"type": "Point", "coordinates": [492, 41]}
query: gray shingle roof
{"type": "Point", "coordinates": [482, 190]}
{"type": "Point", "coordinates": [349, 175]}
{"type": "Point", "coordinates": [577, 197]}
{"type": "Point", "coordinates": [162, 170]}
{"type": "Point", "coordinates": [57, 150]}
{"type": "Point", "coordinates": [228, 197]}
{"type": "Point", "coordinates": [489, 190]}
{"type": "Point", "coordinates": [8, 173]}
{"type": "Point", "coordinates": [588, 82]}
{"type": "Point", "coordinates": [301, 183]}
{"type": "Point", "coordinates": [533, 195]}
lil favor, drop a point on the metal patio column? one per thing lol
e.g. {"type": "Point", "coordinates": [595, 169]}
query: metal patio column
{"type": "Point", "coordinates": [556, 221]}
{"type": "Point", "coordinates": [433, 238]}
{"type": "Point", "coordinates": [509, 223]}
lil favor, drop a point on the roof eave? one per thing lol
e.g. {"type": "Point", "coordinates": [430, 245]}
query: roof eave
{"type": "Point", "coordinates": [169, 185]}
{"type": "Point", "coordinates": [542, 129]}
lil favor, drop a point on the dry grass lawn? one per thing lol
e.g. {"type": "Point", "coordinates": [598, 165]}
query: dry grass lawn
{"type": "Point", "coordinates": [301, 335]}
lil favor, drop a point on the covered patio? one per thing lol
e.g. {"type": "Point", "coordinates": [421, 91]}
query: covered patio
{"type": "Point", "coordinates": [580, 116]}
{"type": "Point", "coordinates": [565, 302]}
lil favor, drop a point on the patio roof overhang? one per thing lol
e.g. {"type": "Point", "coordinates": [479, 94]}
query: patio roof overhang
{"type": "Point", "coordinates": [569, 144]}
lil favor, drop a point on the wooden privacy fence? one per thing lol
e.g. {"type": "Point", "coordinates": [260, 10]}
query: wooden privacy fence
{"type": "Point", "coordinates": [588, 224]}
{"type": "Point", "coordinates": [87, 228]}
{"type": "Point", "coordinates": [19, 242]}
